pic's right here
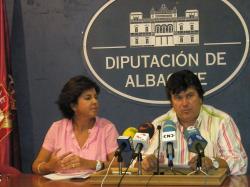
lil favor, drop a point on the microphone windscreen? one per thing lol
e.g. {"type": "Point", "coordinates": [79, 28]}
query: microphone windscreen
{"type": "Point", "coordinates": [141, 138]}
{"type": "Point", "coordinates": [194, 139]}
{"type": "Point", "coordinates": [147, 128]}
{"type": "Point", "coordinates": [125, 144]}
{"type": "Point", "coordinates": [191, 131]}
{"type": "Point", "coordinates": [169, 126]}
{"type": "Point", "coordinates": [168, 131]}
{"type": "Point", "coordinates": [130, 131]}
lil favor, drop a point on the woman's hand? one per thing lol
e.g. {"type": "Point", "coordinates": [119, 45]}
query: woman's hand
{"type": "Point", "coordinates": [70, 161]}
{"type": "Point", "coordinates": [48, 162]}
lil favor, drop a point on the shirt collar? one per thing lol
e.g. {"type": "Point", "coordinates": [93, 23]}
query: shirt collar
{"type": "Point", "coordinates": [91, 131]}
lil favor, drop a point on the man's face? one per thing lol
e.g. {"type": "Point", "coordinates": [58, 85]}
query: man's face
{"type": "Point", "coordinates": [187, 105]}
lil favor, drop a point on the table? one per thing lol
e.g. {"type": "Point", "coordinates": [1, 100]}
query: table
{"type": "Point", "coordinates": [31, 180]}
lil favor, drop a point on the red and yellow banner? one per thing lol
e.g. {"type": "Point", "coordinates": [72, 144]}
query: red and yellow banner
{"type": "Point", "coordinates": [5, 122]}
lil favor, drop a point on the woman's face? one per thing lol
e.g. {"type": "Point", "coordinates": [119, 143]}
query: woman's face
{"type": "Point", "coordinates": [87, 104]}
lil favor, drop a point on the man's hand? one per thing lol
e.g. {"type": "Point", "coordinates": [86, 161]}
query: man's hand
{"type": "Point", "coordinates": [205, 165]}
{"type": "Point", "coordinates": [149, 163]}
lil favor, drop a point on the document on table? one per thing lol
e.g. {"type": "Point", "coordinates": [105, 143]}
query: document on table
{"type": "Point", "coordinates": [63, 176]}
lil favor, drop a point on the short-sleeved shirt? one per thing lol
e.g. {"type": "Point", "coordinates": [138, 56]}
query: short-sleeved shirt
{"type": "Point", "coordinates": [101, 141]}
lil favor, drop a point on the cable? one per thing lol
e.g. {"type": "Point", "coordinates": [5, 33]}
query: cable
{"type": "Point", "coordinates": [107, 171]}
{"type": "Point", "coordinates": [125, 173]}
{"type": "Point", "coordinates": [149, 179]}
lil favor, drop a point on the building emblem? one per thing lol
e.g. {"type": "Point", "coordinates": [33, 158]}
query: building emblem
{"type": "Point", "coordinates": [164, 28]}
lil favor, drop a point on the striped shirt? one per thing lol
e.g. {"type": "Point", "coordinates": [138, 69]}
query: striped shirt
{"type": "Point", "coordinates": [220, 131]}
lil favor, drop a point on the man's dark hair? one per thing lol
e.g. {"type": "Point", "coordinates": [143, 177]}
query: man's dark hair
{"type": "Point", "coordinates": [71, 92]}
{"type": "Point", "coordinates": [181, 81]}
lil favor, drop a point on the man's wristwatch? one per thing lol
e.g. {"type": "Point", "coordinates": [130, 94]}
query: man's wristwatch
{"type": "Point", "coordinates": [215, 163]}
{"type": "Point", "coordinates": [99, 165]}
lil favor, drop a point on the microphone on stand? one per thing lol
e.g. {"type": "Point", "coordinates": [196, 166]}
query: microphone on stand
{"type": "Point", "coordinates": [158, 151]}
{"type": "Point", "coordinates": [196, 144]}
{"type": "Point", "coordinates": [141, 142]}
{"type": "Point", "coordinates": [168, 139]}
{"type": "Point", "coordinates": [130, 131]}
{"type": "Point", "coordinates": [125, 143]}
{"type": "Point", "coordinates": [147, 128]}
{"type": "Point", "coordinates": [142, 137]}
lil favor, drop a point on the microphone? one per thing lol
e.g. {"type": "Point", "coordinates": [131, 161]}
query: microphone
{"type": "Point", "coordinates": [141, 141]}
{"type": "Point", "coordinates": [196, 143]}
{"type": "Point", "coordinates": [130, 131]}
{"type": "Point", "coordinates": [125, 142]}
{"type": "Point", "coordinates": [168, 139]}
{"type": "Point", "coordinates": [147, 128]}
{"type": "Point", "coordinates": [142, 137]}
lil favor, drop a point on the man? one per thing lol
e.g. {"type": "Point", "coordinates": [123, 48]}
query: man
{"type": "Point", "coordinates": [224, 147]}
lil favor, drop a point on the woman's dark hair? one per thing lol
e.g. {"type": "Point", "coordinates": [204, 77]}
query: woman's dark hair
{"type": "Point", "coordinates": [181, 81]}
{"type": "Point", "coordinates": [71, 92]}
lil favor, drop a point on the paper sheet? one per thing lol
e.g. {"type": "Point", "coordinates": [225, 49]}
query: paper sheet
{"type": "Point", "coordinates": [63, 176]}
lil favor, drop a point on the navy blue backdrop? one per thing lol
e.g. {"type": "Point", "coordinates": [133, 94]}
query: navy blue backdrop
{"type": "Point", "coordinates": [47, 46]}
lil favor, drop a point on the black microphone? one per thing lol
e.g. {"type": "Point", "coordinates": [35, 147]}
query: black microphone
{"type": "Point", "coordinates": [125, 142]}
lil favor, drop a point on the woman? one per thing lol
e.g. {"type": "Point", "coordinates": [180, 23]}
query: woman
{"type": "Point", "coordinates": [80, 141]}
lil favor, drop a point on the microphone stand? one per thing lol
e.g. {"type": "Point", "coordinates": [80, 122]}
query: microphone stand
{"type": "Point", "coordinates": [139, 159]}
{"type": "Point", "coordinates": [200, 152]}
{"type": "Point", "coordinates": [120, 160]}
{"type": "Point", "coordinates": [158, 152]}
{"type": "Point", "coordinates": [138, 154]}
{"type": "Point", "coordinates": [170, 155]}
